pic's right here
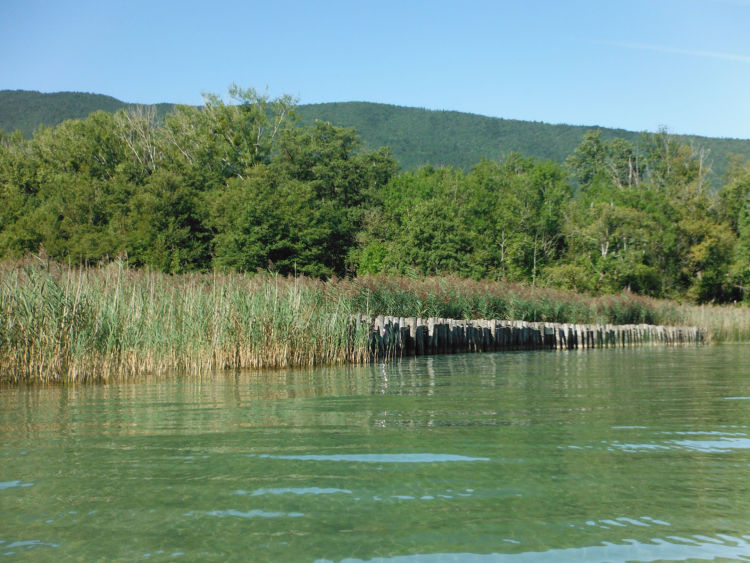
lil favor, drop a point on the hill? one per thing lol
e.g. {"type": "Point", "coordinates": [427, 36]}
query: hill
{"type": "Point", "coordinates": [416, 136]}
{"type": "Point", "coordinates": [26, 110]}
{"type": "Point", "coordinates": [420, 136]}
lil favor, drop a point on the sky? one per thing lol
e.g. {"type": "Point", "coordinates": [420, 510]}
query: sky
{"type": "Point", "coordinates": [641, 65]}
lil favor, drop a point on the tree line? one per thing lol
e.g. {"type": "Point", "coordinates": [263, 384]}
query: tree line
{"type": "Point", "coordinates": [243, 186]}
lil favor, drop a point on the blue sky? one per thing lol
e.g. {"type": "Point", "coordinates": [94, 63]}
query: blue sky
{"type": "Point", "coordinates": [639, 64]}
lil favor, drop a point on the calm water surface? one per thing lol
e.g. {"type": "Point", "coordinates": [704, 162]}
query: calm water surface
{"type": "Point", "coordinates": [604, 455]}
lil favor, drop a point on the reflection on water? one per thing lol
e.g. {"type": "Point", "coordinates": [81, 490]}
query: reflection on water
{"type": "Point", "coordinates": [607, 455]}
{"type": "Point", "coordinates": [9, 484]}
{"type": "Point", "coordinates": [16, 547]}
{"type": "Point", "coordinates": [723, 442]}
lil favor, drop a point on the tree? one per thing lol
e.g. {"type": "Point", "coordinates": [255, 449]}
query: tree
{"type": "Point", "coordinates": [167, 226]}
{"type": "Point", "coordinates": [500, 221]}
{"type": "Point", "coordinates": [733, 195]}
{"type": "Point", "coordinates": [222, 140]}
{"type": "Point", "coordinates": [709, 247]}
{"type": "Point", "coordinates": [530, 206]}
{"type": "Point", "coordinates": [137, 129]}
{"type": "Point", "coordinates": [679, 169]}
{"type": "Point", "coordinates": [301, 211]}
{"type": "Point", "coordinates": [327, 160]}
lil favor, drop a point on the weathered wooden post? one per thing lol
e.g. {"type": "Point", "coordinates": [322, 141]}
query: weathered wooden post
{"type": "Point", "coordinates": [419, 338]}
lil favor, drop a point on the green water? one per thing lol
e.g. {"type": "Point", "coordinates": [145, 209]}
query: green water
{"type": "Point", "coordinates": [603, 455]}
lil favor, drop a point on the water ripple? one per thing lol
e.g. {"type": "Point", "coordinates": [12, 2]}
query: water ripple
{"type": "Point", "coordinates": [678, 549]}
{"type": "Point", "coordinates": [251, 514]}
{"type": "Point", "coordinates": [10, 484]}
{"type": "Point", "coordinates": [715, 446]}
{"type": "Point", "coordinates": [379, 458]}
{"type": "Point", "coordinates": [622, 521]}
{"type": "Point", "coordinates": [293, 491]}
{"type": "Point", "coordinates": [23, 544]}
{"type": "Point", "coordinates": [722, 445]}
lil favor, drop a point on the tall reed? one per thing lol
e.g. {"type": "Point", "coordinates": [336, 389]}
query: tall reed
{"type": "Point", "coordinates": [68, 324]}
{"type": "Point", "coordinates": [451, 297]}
{"type": "Point", "coordinates": [59, 324]}
{"type": "Point", "coordinates": [726, 323]}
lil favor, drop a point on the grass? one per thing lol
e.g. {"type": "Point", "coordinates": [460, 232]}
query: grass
{"type": "Point", "coordinates": [60, 324]}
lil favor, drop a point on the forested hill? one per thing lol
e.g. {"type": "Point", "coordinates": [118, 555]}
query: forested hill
{"type": "Point", "coordinates": [416, 136]}
{"type": "Point", "coordinates": [26, 110]}
{"type": "Point", "coordinates": [419, 136]}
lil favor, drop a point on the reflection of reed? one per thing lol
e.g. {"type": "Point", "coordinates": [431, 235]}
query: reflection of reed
{"type": "Point", "coordinates": [546, 421]}
{"type": "Point", "coordinates": [172, 404]}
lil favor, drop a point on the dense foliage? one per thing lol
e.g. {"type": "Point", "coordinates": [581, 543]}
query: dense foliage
{"type": "Point", "coordinates": [448, 138]}
{"type": "Point", "coordinates": [245, 186]}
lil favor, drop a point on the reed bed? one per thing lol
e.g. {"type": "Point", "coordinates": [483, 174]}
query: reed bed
{"type": "Point", "coordinates": [725, 323]}
{"type": "Point", "coordinates": [61, 324]}
{"type": "Point", "coordinates": [458, 298]}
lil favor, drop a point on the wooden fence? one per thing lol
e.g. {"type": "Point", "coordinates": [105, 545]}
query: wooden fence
{"type": "Point", "coordinates": [410, 336]}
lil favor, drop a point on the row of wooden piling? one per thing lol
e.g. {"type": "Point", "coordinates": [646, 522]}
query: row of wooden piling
{"type": "Point", "coordinates": [410, 336]}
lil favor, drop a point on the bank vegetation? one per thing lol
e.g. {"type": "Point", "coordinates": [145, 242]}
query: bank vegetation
{"type": "Point", "coordinates": [231, 236]}
{"type": "Point", "coordinates": [90, 324]}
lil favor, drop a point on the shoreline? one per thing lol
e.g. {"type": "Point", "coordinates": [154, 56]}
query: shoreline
{"type": "Point", "coordinates": [391, 338]}
{"type": "Point", "coordinates": [67, 325]}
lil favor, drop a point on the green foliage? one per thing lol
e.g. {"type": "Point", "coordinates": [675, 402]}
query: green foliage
{"type": "Point", "coordinates": [419, 137]}
{"type": "Point", "coordinates": [598, 161]}
{"type": "Point", "coordinates": [228, 186]}
{"type": "Point", "coordinates": [497, 221]}
{"type": "Point", "coordinates": [733, 195]}
{"type": "Point", "coordinates": [301, 213]}
{"type": "Point", "coordinates": [245, 186]}
{"type": "Point", "coordinates": [166, 228]}
{"type": "Point", "coordinates": [740, 265]}
{"type": "Point", "coordinates": [274, 225]}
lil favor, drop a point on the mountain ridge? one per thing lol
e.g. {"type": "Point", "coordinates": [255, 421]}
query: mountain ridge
{"type": "Point", "coordinates": [417, 136]}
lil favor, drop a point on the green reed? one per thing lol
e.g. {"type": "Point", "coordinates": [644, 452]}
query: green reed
{"type": "Point", "coordinates": [468, 299]}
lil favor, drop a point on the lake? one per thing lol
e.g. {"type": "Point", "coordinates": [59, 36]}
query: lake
{"type": "Point", "coordinates": [636, 454]}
